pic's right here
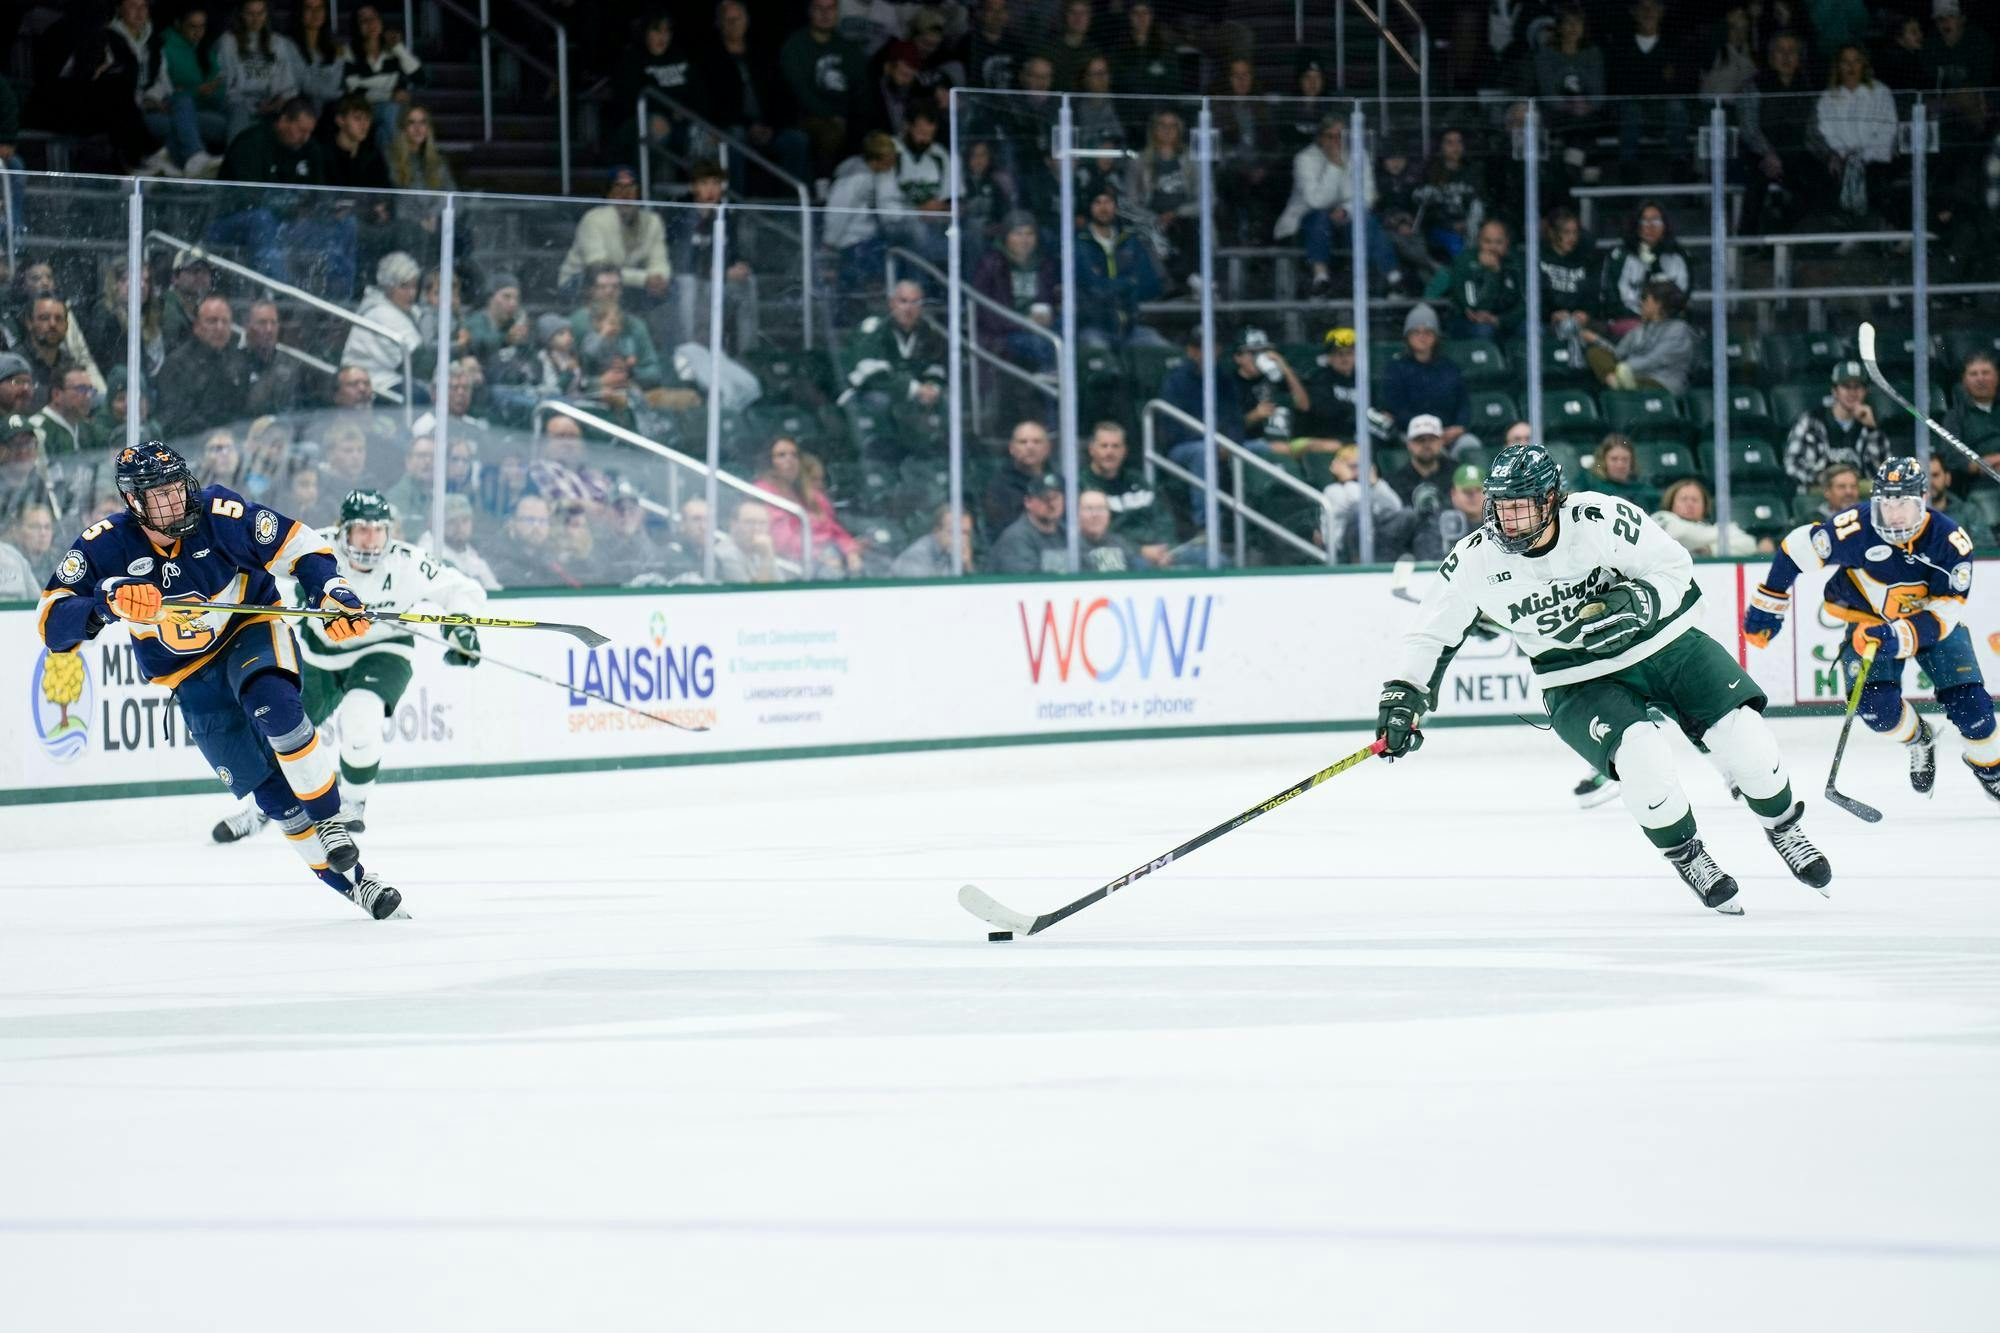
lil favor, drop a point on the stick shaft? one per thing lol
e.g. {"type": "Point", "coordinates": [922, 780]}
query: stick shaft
{"type": "Point", "coordinates": [589, 636]}
{"type": "Point", "coordinates": [661, 718]}
{"type": "Point", "coordinates": [1847, 723]}
{"type": "Point", "coordinates": [1882, 383]}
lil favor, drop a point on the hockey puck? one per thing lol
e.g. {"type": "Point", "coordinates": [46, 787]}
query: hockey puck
{"type": "Point", "coordinates": [996, 935]}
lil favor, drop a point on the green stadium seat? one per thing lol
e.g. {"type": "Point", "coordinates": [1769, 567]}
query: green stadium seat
{"type": "Point", "coordinates": [1790, 401]}
{"type": "Point", "coordinates": [1644, 414]}
{"type": "Point", "coordinates": [1748, 407]}
{"type": "Point", "coordinates": [1484, 364]}
{"type": "Point", "coordinates": [1664, 461]}
{"type": "Point", "coordinates": [1798, 355]}
{"type": "Point", "coordinates": [1570, 413]}
{"type": "Point", "coordinates": [1480, 456]}
{"type": "Point", "coordinates": [1743, 366]}
{"type": "Point", "coordinates": [1492, 412]}
{"type": "Point", "coordinates": [1390, 458]}
{"type": "Point", "coordinates": [1562, 367]}
{"type": "Point", "coordinates": [1572, 457]}
{"type": "Point", "coordinates": [1761, 512]}
{"type": "Point", "coordinates": [1896, 349]}
{"type": "Point", "coordinates": [1147, 367]}
{"type": "Point", "coordinates": [1753, 459]}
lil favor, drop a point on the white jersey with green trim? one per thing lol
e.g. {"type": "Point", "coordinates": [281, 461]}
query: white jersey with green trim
{"type": "Point", "coordinates": [405, 578]}
{"type": "Point", "coordinates": [1600, 540]}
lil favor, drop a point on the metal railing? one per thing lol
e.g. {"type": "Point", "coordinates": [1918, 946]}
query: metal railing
{"type": "Point", "coordinates": [483, 21]}
{"type": "Point", "coordinates": [973, 347]}
{"type": "Point", "coordinates": [735, 483]}
{"type": "Point", "coordinates": [1239, 458]}
{"type": "Point", "coordinates": [319, 303]}
{"type": "Point", "coordinates": [724, 145]}
{"type": "Point", "coordinates": [1386, 42]}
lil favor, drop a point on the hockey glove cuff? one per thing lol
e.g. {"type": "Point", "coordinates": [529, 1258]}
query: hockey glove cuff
{"type": "Point", "coordinates": [1396, 717]}
{"type": "Point", "coordinates": [1766, 616]}
{"type": "Point", "coordinates": [464, 650]}
{"type": "Point", "coordinates": [338, 596]}
{"type": "Point", "coordinates": [129, 599]}
{"type": "Point", "coordinates": [1626, 611]}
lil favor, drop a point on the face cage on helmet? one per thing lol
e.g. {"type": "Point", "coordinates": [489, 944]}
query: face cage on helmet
{"type": "Point", "coordinates": [1551, 502]}
{"type": "Point", "coordinates": [135, 504]}
{"type": "Point", "coordinates": [1896, 534]}
{"type": "Point", "coordinates": [355, 557]}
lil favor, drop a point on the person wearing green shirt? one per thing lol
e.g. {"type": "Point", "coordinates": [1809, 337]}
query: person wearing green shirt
{"type": "Point", "coordinates": [826, 73]}
{"type": "Point", "coordinates": [1484, 287]}
{"type": "Point", "coordinates": [197, 103]}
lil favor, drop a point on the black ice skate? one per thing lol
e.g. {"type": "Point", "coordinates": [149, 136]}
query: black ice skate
{"type": "Point", "coordinates": [353, 815]}
{"type": "Point", "coordinates": [1700, 873]}
{"type": "Point", "coordinates": [1807, 863]}
{"type": "Point", "coordinates": [338, 844]}
{"type": "Point", "coordinates": [1989, 778]}
{"type": "Point", "coordinates": [1923, 758]}
{"type": "Point", "coordinates": [377, 899]}
{"type": "Point", "coordinates": [1595, 790]}
{"type": "Point", "coordinates": [241, 825]}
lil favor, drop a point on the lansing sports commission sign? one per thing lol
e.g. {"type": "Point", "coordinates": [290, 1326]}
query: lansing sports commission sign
{"type": "Point", "coordinates": [837, 667]}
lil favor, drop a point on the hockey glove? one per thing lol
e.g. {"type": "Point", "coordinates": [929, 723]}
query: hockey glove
{"type": "Point", "coordinates": [1897, 637]}
{"type": "Point", "coordinates": [340, 597]}
{"type": "Point", "coordinates": [129, 599]}
{"type": "Point", "coordinates": [1401, 707]}
{"type": "Point", "coordinates": [1625, 611]}
{"type": "Point", "coordinates": [1766, 616]}
{"type": "Point", "coordinates": [464, 650]}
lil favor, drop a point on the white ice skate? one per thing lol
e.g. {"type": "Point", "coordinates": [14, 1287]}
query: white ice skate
{"type": "Point", "coordinates": [241, 825]}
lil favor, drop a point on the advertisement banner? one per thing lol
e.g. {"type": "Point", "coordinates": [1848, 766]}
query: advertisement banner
{"type": "Point", "coordinates": [807, 670]}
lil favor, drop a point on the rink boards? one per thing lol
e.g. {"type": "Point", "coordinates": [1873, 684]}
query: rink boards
{"type": "Point", "coordinates": [841, 670]}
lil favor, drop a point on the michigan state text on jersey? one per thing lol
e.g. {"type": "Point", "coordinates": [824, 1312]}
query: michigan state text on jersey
{"type": "Point", "coordinates": [175, 546]}
{"type": "Point", "coordinates": [1899, 573]}
{"type": "Point", "coordinates": [1601, 600]}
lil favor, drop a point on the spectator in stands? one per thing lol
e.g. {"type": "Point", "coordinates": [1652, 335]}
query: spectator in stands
{"type": "Point", "coordinates": [891, 90]}
{"type": "Point", "coordinates": [1484, 287]}
{"type": "Point", "coordinates": [414, 161]}
{"type": "Point", "coordinates": [1137, 513]}
{"type": "Point", "coordinates": [354, 401]}
{"type": "Point", "coordinates": [1957, 55]}
{"type": "Point", "coordinates": [315, 242]}
{"type": "Point", "coordinates": [1269, 395]}
{"type": "Point", "coordinates": [1657, 351]}
{"type": "Point", "coordinates": [792, 474]}
{"type": "Point", "coordinates": [1899, 53]}
{"type": "Point", "coordinates": [19, 582]}
{"type": "Point", "coordinates": [826, 73]}
{"type": "Point", "coordinates": [1246, 148]}
{"type": "Point", "coordinates": [259, 67]}
{"type": "Point", "coordinates": [620, 359]}
{"type": "Point", "coordinates": [561, 369]}
{"type": "Point", "coordinates": [1428, 467]}
{"type": "Point", "coordinates": [23, 475]}
{"type": "Point", "coordinates": [301, 494]}
{"type": "Point", "coordinates": [353, 160]}
{"type": "Point", "coordinates": [656, 64]}
{"type": "Point", "coordinates": [747, 99]}
{"type": "Point", "coordinates": [1099, 127]}
{"type": "Point", "coordinates": [110, 417]}
{"type": "Point", "coordinates": [1975, 419]}
{"type": "Point", "coordinates": [1943, 499]}
{"type": "Point", "coordinates": [1569, 80]}
{"type": "Point", "coordinates": [1021, 124]}
{"type": "Point", "coordinates": [1145, 62]}
{"type": "Point", "coordinates": [346, 465]}
{"type": "Point", "coordinates": [1071, 47]}
{"type": "Point", "coordinates": [391, 302]}
{"type": "Point", "coordinates": [1686, 511]}
{"type": "Point", "coordinates": [1651, 70]}
{"type": "Point", "coordinates": [17, 384]}
{"type": "Point", "coordinates": [276, 384]}
{"type": "Point", "coordinates": [993, 47]}
{"type": "Point", "coordinates": [457, 543]}
{"type": "Point", "coordinates": [899, 370]}
{"type": "Point", "coordinates": [1731, 64]}
{"type": "Point", "coordinates": [1856, 124]}
{"type": "Point", "coordinates": [985, 198]}
{"type": "Point", "coordinates": [193, 279]}
{"type": "Point", "coordinates": [630, 239]}
{"type": "Point", "coordinates": [863, 186]}
{"type": "Point", "coordinates": [525, 559]}
{"type": "Point", "coordinates": [1569, 273]}
{"type": "Point", "coordinates": [193, 114]}
{"type": "Point", "coordinates": [1331, 388]}
{"type": "Point", "coordinates": [1019, 276]}
{"type": "Point", "coordinates": [1101, 548]}
{"type": "Point", "coordinates": [64, 423]}
{"type": "Point", "coordinates": [1778, 127]}
{"type": "Point", "coordinates": [103, 321]}
{"type": "Point", "coordinates": [380, 68]}
{"type": "Point", "coordinates": [34, 536]}
{"type": "Point", "coordinates": [321, 71]}
{"type": "Point", "coordinates": [267, 448]}
{"type": "Point", "coordinates": [1842, 430]}
{"type": "Point", "coordinates": [1159, 189]}
{"type": "Point", "coordinates": [1648, 253]}
{"type": "Point", "coordinates": [221, 462]}
{"type": "Point", "coordinates": [627, 550]}
{"type": "Point", "coordinates": [1614, 470]}
{"type": "Point", "coordinates": [1433, 526]}
{"type": "Point", "coordinates": [1344, 492]}
{"type": "Point", "coordinates": [1422, 382]}
{"type": "Point", "coordinates": [1839, 489]}
{"type": "Point", "coordinates": [500, 322]}
{"type": "Point", "coordinates": [573, 545]}
{"type": "Point", "coordinates": [1300, 115]}
{"type": "Point", "coordinates": [98, 89]}
{"type": "Point", "coordinates": [929, 556]}
{"type": "Point", "coordinates": [51, 350]}
{"type": "Point", "coordinates": [410, 495]}
{"type": "Point", "coordinates": [1027, 461]}
{"type": "Point", "coordinates": [1115, 273]}
{"type": "Point", "coordinates": [923, 179]}
{"type": "Point", "coordinates": [206, 380]}
{"type": "Point", "coordinates": [1034, 543]}
{"type": "Point", "coordinates": [746, 553]}
{"type": "Point", "coordinates": [1318, 211]}
{"type": "Point", "coordinates": [1449, 196]}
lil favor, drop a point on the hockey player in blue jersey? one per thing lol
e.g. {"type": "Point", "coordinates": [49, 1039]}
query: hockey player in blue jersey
{"type": "Point", "coordinates": [1902, 571]}
{"type": "Point", "coordinates": [235, 677]}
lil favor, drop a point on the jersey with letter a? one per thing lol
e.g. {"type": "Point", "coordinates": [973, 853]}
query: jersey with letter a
{"type": "Point", "coordinates": [1600, 540]}
{"type": "Point", "coordinates": [404, 577]}
{"type": "Point", "coordinates": [1925, 581]}
{"type": "Point", "coordinates": [231, 556]}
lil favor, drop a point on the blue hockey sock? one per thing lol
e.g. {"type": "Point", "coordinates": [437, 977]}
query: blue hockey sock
{"type": "Point", "coordinates": [310, 769]}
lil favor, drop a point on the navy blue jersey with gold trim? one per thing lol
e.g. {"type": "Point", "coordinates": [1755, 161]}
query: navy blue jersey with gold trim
{"type": "Point", "coordinates": [231, 556]}
{"type": "Point", "coordinates": [1924, 581]}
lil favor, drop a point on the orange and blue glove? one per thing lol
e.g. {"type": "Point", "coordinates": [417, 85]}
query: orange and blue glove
{"type": "Point", "coordinates": [130, 599]}
{"type": "Point", "coordinates": [1898, 637]}
{"type": "Point", "coordinates": [341, 628]}
{"type": "Point", "coordinates": [1766, 616]}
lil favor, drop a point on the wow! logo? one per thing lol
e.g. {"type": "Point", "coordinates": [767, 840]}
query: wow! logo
{"type": "Point", "coordinates": [59, 699]}
{"type": "Point", "coordinates": [1106, 637]}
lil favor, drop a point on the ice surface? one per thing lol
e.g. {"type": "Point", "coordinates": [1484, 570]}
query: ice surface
{"type": "Point", "coordinates": [716, 1048]}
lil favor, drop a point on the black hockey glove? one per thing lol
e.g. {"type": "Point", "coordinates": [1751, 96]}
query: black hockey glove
{"type": "Point", "coordinates": [464, 650]}
{"type": "Point", "coordinates": [1396, 719]}
{"type": "Point", "coordinates": [1618, 617]}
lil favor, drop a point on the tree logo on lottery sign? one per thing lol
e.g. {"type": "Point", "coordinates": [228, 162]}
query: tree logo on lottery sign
{"type": "Point", "coordinates": [60, 698]}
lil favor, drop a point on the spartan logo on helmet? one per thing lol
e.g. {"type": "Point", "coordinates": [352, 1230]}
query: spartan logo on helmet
{"type": "Point", "coordinates": [366, 520]}
{"type": "Point", "coordinates": [1523, 496]}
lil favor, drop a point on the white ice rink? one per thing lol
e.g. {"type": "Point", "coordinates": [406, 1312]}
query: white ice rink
{"type": "Point", "coordinates": [716, 1049]}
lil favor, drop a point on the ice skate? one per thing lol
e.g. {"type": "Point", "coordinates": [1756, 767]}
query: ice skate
{"type": "Point", "coordinates": [379, 900]}
{"type": "Point", "coordinates": [1701, 874]}
{"type": "Point", "coordinates": [1807, 863]}
{"type": "Point", "coordinates": [1923, 758]}
{"type": "Point", "coordinates": [353, 814]}
{"type": "Point", "coordinates": [1989, 778]}
{"type": "Point", "coordinates": [1595, 790]}
{"type": "Point", "coordinates": [338, 844]}
{"type": "Point", "coordinates": [241, 825]}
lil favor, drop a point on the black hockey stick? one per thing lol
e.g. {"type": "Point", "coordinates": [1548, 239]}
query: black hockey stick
{"type": "Point", "coordinates": [1010, 922]}
{"type": "Point", "coordinates": [661, 718]}
{"type": "Point", "coordinates": [1865, 342]}
{"type": "Point", "coordinates": [589, 637]}
{"type": "Point", "coordinates": [1853, 807]}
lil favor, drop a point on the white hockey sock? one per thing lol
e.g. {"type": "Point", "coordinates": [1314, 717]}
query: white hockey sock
{"type": "Point", "coordinates": [360, 715]}
{"type": "Point", "coordinates": [1984, 752]}
{"type": "Point", "coordinates": [1743, 749]}
{"type": "Point", "coordinates": [1906, 725]}
{"type": "Point", "coordinates": [1650, 787]}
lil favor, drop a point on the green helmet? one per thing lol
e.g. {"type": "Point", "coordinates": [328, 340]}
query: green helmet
{"type": "Point", "coordinates": [371, 509]}
{"type": "Point", "coordinates": [1523, 472]}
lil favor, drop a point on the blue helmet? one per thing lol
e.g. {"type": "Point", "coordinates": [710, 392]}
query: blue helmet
{"type": "Point", "coordinates": [1523, 472]}
{"type": "Point", "coordinates": [1900, 499]}
{"type": "Point", "coordinates": [153, 467]}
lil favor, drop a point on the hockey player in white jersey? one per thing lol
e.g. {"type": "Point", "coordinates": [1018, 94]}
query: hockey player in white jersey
{"type": "Point", "coordinates": [361, 679]}
{"type": "Point", "coordinates": [1602, 600]}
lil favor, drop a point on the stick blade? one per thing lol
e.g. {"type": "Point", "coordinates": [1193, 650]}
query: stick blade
{"type": "Point", "coordinates": [1859, 809]}
{"type": "Point", "coordinates": [1864, 341]}
{"type": "Point", "coordinates": [589, 637]}
{"type": "Point", "coordinates": [994, 913]}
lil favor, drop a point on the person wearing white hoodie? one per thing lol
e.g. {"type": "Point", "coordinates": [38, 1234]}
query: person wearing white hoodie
{"type": "Point", "coordinates": [391, 302]}
{"type": "Point", "coordinates": [1856, 119]}
{"type": "Point", "coordinates": [1322, 194]}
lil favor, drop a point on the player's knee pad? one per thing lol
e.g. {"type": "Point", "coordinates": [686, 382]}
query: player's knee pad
{"type": "Point", "coordinates": [361, 713]}
{"type": "Point", "coordinates": [271, 698]}
{"type": "Point", "coordinates": [1882, 705]}
{"type": "Point", "coordinates": [1969, 710]}
{"type": "Point", "coordinates": [1742, 747]}
{"type": "Point", "coordinates": [1647, 782]}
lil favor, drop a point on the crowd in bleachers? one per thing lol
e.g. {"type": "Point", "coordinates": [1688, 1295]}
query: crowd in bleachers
{"type": "Point", "coordinates": [852, 434]}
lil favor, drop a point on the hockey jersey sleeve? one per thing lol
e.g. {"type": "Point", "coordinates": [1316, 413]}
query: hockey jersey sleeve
{"type": "Point", "coordinates": [1630, 542]}
{"type": "Point", "coordinates": [447, 587]}
{"type": "Point", "coordinates": [1444, 619]}
{"type": "Point", "coordinates": [258, 537]}
{"type": "Point", "coordinates": [69, 613]}
{"type": "Point", "coordinates": [1949, 579]}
